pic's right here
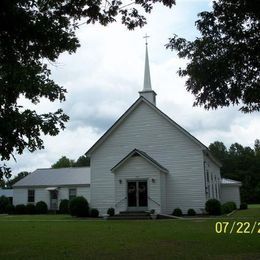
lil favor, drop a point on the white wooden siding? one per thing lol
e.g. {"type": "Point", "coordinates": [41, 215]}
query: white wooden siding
{"type": "Point", "coordinates": [147, 130]}
{"type": "Point", "coordinates": [163, 192]}
{"type": "Point", "coordinates": [137, 168]}
{"type": "Point", "coordinates": [214, 179]}
{"type": "Point", "coordinates": [41, 194]}
{"type": "Point", "coordinates": [230, 193]}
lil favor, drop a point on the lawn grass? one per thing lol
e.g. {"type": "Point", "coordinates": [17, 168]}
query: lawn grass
{"type": "Point", "coordinates": [254, 206]}
{"type": "Point", "coordinates": [64, 237]}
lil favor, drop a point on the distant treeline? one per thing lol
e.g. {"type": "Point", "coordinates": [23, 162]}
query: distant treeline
{"type": "Point", "coordinates": [65, 162]}
{"type": "Point", "coordinates": [242, 164]}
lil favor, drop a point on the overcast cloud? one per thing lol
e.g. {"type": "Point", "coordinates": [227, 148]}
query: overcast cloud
{"type": "Point", "coordinates": [103, 79]}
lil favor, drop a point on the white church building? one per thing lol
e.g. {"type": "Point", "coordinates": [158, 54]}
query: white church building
{"type": "Point", "coordinates": [145, 161]}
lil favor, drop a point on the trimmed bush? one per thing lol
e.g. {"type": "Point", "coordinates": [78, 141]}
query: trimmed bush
{"type": "Point", "coordinates": [191, 212]}
{"type": "Point", "coordinates": [213, 207]}
{"type": "Point", "coordinates": [78, 207]}
{"type": "Point", "coordinates": [64, 207]}
{"type": "Point", "coordinates": [177, 212]}
{"type": "Point", "coordinates": [228, 207]}
{"type": "Point", "coordinates": [41, 207]}
{"type": "Point", "coordinates": [243, 205]}
{"type": "Point", "coordinates": [94, 213]}
{"type": "Point", "coordinates": [111, 212]}
{"type": "Point", "coordinates": [20, 209]}
{"type": "Point", "coordinates": [10, 209]}
{"type": "Point", "coordinates": [30, 209]}
{"type": "Point", "coordinates": [4, 202]}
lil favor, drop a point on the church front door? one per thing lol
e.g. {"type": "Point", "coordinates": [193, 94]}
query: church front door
{"type": "Point", "coordinates": [137, 195]}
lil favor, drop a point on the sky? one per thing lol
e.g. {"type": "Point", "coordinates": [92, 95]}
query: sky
{"type": "Point", "coordinates": [105, 74]}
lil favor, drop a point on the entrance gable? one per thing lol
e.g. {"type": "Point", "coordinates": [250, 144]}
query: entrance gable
{"type": "Point", "coordinates": [145, 156]}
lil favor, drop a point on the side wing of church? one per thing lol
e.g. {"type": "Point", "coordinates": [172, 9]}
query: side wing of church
{"type": "Point", "coordinates": [146, 161]}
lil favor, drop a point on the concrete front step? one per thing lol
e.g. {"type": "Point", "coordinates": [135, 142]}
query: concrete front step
{"type": "Point", "coordinates": [129, 215]}
{"type": "Point", "coordinates": [118, 217]}
{"type": "Point", "coordinates": [134, 213]}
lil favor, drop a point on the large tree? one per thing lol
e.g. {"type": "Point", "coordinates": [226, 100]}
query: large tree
{"type": "Point", "coordinates": [224, 61]}
{"type": "Point", "coordinates": [33, 33]}
{"type": "Point", "coordinates": [63, 162]}
{"type": "Point", "coordinates": [242, 164]}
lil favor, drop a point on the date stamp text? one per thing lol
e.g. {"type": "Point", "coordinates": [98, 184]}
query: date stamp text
{"type": "Point", "coordinates": [237, 227]}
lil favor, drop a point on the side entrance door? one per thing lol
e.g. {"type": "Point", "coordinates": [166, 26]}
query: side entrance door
{"type": "Point", "coordinates": [137, 195]}
{"type": "Point", "coordinates": [53, 200]}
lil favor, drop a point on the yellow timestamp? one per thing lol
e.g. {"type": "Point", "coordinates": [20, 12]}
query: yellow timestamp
{"type": "Point", "coordinates": [237, 227]}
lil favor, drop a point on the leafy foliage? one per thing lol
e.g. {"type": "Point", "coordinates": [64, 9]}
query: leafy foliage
{"type": "Point", "coordinates": [64, 206]}
{"type": "Point", "coordinates": [20, 209]}
{"type": "Point", "coordinates": [243, 206]}
{"type": "Point", "coordinates": [10, 209]}
{"type": "Point", "coordinates": [78, 207]}
{"type": "Point", "coordinates": [191, 212]}
{"type": "Point", "coordinates": [41, 207]}
{"type": "Point", "coordinates": [94, 213]}
{"type": "Point", "coordinates": [177, 212]}
{"type": "Point", "coordinates": [30, 209]}
{"type": "Point", "coordinates": [41, 32]}
{"type": "Point", "coordinates": [213, 207]}
{"type": "Point", "coordinates": [10, 182]}
{"type": "Point", "coordinates": [63, 162]}
{"type": "Point", "coordinates": [82, 161]}
{"type": "Point", "coordinates": [228, 207]}
{"type": "Point", "coordinates": [111, 212]}
{"type": "Point", "coordinates": [241, 164]}
{"type": "Point", "coordinates": [224, 62]}
{"type": "Point", "coordinates": [4, 202]}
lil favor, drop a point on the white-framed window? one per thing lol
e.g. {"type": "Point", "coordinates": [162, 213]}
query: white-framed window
{"type": "Point", "coordinates": [72, 193]}
{"type": "Point", "coordinates": [31, 196]}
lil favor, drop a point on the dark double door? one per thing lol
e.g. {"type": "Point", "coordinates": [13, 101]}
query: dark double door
{"type": "Point", "coordinates": [137, 195]}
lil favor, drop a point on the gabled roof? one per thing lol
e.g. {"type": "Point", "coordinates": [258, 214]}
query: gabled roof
{"type": "Point", "coordinates": [144, 155]}
{"type": "Point", "coordinates": [56, 177]}
{"type": "Point", "coordinates": [130, 109]}
{"type": "Point", "coordinates": [225, 181]}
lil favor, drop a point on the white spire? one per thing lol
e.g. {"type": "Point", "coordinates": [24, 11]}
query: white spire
{"type": "Point", "coordinates": [147, 77]}
{"type": "Point", "coordinates": [147, 91]}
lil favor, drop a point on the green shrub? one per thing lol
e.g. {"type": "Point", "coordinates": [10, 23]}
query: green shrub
{"type": "Point", "coordinates": [79, 207]}
{"type": "Point", "coordinates": [111, 212]}
{"type": "Point", "coordinates": [177, 212]}
{"type": "Point", "coordinates": [94, 213]}
{"type": "Point", "coordinates": [10, 209]}
{"type": "Point", "coordinates": [228, 207]}
{"type": "Point", "coordinates": [64, 207]}
{"type": "Point", "coordinates": [243, 205]}
{"type": "Point", "coordinates": [20, 209]}
{"type": "Point", "coordinates": [191, 212]}
{"type": "Point", "coordinates": [41, 207]}
{"type": "Point", "coordinates": [213, 207]}
{"type": "Point", "coordinates": [4, 202]}
{"type": "Point", "coordinates": [30, 209]}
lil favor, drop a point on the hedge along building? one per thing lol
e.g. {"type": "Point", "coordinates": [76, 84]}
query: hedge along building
{"type": "Point", "coordinates": [147, 161]}
{"type": "Point", "coordinates": [52, 186]}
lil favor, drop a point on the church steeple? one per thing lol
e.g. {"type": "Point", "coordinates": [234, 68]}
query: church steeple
{"type": "Point", "coordinates": [147, 91]}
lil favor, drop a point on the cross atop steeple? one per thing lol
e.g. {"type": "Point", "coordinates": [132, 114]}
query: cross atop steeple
{"type": "Point", "coordinates": [147, 91]}
{"type": "Point", "coordinates": [146, 37]}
